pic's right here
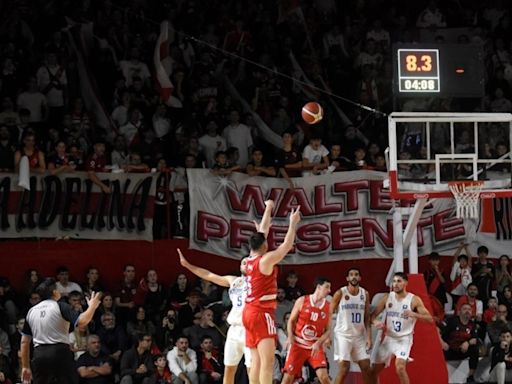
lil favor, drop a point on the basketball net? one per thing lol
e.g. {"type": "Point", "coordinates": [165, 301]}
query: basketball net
{"type": "Point", "coordinates": [467, 200]}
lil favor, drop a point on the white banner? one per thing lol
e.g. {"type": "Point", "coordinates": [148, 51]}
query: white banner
{"type": "Point", "coordinates": [345, 216]}
{"type": "Point", "coordinates": [70, 205]}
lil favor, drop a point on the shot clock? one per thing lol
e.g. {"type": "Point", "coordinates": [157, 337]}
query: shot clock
{"type": "Point", "coordinates": [418, 70]}
{"type": "Point", "coordinates": [438, 70]}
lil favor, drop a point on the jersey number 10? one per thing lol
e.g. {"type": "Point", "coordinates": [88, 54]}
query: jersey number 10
{"type": "Point", "coordinates": [356, 317]}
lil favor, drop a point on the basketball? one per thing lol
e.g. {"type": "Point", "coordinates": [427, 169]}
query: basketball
{"type": "Point", "coordinates": [312, 112]}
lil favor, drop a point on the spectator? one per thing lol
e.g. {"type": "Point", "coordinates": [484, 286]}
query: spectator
{"type": "Point", "coordinates": [59, 162]}
{"type": "Point", "coordinates": [239, 136]}
{"type": "Point", "coordinates": [162, 373]}
{"type": "Point", "coordinates": [119, 155]}
{"type": "Point", "coordinates": [134, 67]}
{"type": "Point", "coordinates": [470, 298]}
{"type": "Point", "coordinates": [140, 324]}
{"type": "Point", "coordinates": [257, 166]}
{"type": "Point", "coordinates": [168, 332]}
{"type": "Point", "coordinates": [183, 362]}
{"type": "Point", "coordinates": [460, 275]}
{"type": "Point", "coordinates": [106, 306]}
{"type": "Point", "coordinates": [93, 283]}
{"type": "Point", "coordinates": [314, 156]}
{"type": "Point", "coordinates": [501, 358]}
{"type": "Point", "coordinates": [205, 327]}
{"type": "Point", "coordinates": [293, 291]}
{"type": "Point", "coordinates": [94, 367]}
{"type": "Point", "coordinates": [135, 164]}
{"type": "Point", "coordinates": [210, 365]}
{"type": "Point", "coordinates": [125, 297]}
{"type": "Point", "coordinates": [459, 339]}
{"type": "Point", "coordinates": [491, 311]}
{"type": "Point", "coordinates": [137, 364]}
{"type": "Point", "coordinates": [34, 101]}
{"type": "Point", "coordinates": [506, 299]}
{"type": "Point", "coordinates": [191, 309]}
{"type": "Point", "coordinates": [283, 305]}
{"type": "Point", "coordinates": [222, 166]}
{"type": "Point", "coordinates": [503, 275]}
{"type": "Point", "coordinates": [483, 273]}
{"type": "Point", "coordinates": [64, 286]}
{"type": "Point", "coordinates": [288, 159]}
{"type": "Point", "coordinates": [35, 157]}
{"type": "Point", "coordinates": [52, 82]}
{"type": "Point", "coordinates": [97, 163]}
{"type": "Point", "coordinates": [435, 279]}
{"type": "Point", "coordinates": [211, 143]}
{"type": "Point", "coordinates": [113, 338]}
{"type": "Point", "coordinates": [180, 289]}
{"type": "Point", "coordinates": [431, 17]}
{"type": "Point", "coordinates": [154, 296]}
{"type": "Point", "coordinates": [501, 322]}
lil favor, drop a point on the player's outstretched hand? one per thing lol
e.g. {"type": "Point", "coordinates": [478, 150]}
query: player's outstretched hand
{"type": "Point", "coordinates": [295, 215]}
{"type": "Point", "coordinates": [95, 300]}
{"type": "Point", "coordinates": [183, 261]}
{"type": "Point", "coordinates": [269, 203]}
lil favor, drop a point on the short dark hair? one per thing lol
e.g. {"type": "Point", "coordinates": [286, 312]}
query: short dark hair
{"type": "Point", "coordinates": [61, 269]}
{"type": "Point", "coordinates": [141, 335]}
{"type": "Point", "coordinates": [462, 257]}
{"type": "Point", "coordinates": [46, 288]}
{"type": "Point", "coordinates": [482, 249]}
{"type": "Point", "coordinates": [321, 280]}
{"type": "Point", "coordinates": [181, 336]}
{"type": "Point", "coordinates": [128, 265]}
{"type": "Point", "coordinates": [205, 337]}
{"type": "Point", "coordinates": [257, 240]}
{"type": "Point", "coordinates": [157, 356]}
{"type": "Point", "coordinates": [402, 275]}
{"type": "Point", "coordinates": [474, 285]}
{"type": "Point", "coordinates": [352, 269]}
{"type": "Point", "coordinates": [433, 256]}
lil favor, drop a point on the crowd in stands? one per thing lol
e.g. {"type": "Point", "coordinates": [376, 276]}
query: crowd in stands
{"type": "Point", "coordinates": [474, 311]}
{"type": "Point", "coordinates": [140, 322]}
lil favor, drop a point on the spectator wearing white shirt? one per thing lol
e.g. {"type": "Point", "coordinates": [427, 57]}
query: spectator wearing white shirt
{"type": "Point", "coordinates": [183, 362]}
{"type": "Point", "coordinates": [460, 275]}
{"type": "Point", "coordinates": [314, 154]}
{"type": "Point", "coordinates": [34, 101]}
{"type": "Point", "coordinates": [431, 17]}
{"type": "Point", "coordinates": [239, 136]}
{"type": "Point", "coordinates": [211, 142]}
{"type": "Point", "coordinates": [134, 67]}
{"type": "Point", "coordinates": [64, 286]}
{"type": "Point", "coordinates": [120, 113]}
{"type": "Point", "coordinates": [52, 82]}
{"type": "Point", "coordinates": [369, 56]}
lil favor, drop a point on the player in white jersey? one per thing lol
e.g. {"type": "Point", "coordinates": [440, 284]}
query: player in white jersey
{"type": "Point", "coordinates": [234, 348]}
{"type": "Point", "coordinates": [352, 333]}
{"type": "Point", "coordinates": [402, 310]}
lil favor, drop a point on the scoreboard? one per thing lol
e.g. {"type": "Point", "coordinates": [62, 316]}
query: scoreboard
{"type": "Point", "coordinates": [442, 70]}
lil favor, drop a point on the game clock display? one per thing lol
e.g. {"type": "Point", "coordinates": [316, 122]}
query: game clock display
{"type": "Point", "coordinates": [418, 70]}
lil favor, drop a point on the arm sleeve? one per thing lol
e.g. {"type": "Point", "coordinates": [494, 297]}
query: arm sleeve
{"type": "Point", "coordinates": [173, 364]}
{"type": "Point", "coordinates": [68, 313]}
{"type": "Point", "coordinates": [453, 273]}
{"type": "Point", "coordinates": [192, 366]}
{"type": "Point", "coordinates": [27, 331]}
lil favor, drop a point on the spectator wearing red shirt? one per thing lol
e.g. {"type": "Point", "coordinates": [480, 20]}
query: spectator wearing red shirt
{"type": "Point", "coordinates": [490, 313]}
{"type": "Point", "coordinates": [162, 373]}
{"type": "Point", "coordinates": [96, 163]}
{"type": "Point", "coordinates": [210, 363]}
{"type": "Point", "coordinates": [471, 298]}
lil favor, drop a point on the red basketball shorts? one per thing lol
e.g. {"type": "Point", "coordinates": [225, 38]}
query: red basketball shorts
{"type": "Point", "coordinates": [259, 324]}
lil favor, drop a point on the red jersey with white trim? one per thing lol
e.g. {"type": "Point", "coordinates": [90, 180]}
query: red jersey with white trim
{"type": "Point", "coordinates": [311, 323]}
{"type": "Point", "coordinates": [261, 289]}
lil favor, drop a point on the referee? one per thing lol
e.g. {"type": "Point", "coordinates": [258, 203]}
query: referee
{"type": "Point", "coordinates": [48, 324]}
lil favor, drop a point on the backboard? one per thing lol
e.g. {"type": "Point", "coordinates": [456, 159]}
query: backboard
{"type": "Point", "coordinates": [429, 149]}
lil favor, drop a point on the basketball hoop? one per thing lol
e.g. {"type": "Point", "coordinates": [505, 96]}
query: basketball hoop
{"type": "Point", "coordinates": [467, 197]}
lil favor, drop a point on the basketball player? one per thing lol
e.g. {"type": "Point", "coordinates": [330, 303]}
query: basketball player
{"type": "Point", "coordinates": [309, 327]}
{"type": "Point", "coordinates": [402, 310]}
{"type": "Point", "coordinates": [352, 332]}
{"type": "Point", "coordinates": [260, 304]}
{"type": "Point", "coordinates": [235, 339]}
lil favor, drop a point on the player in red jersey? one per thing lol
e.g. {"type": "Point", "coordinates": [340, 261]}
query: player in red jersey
{"type": "Point", "coordinates": [260, 304]}
{"type": "Point", "coordinates": [309, 327]}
